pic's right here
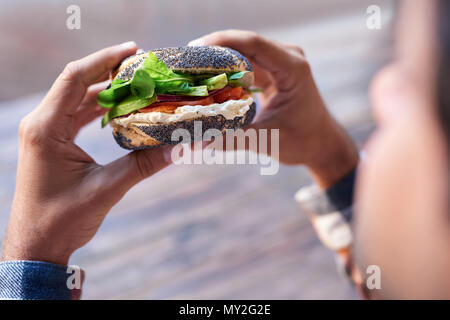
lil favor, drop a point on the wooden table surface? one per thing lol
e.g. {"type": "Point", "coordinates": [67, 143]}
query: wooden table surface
{"type": "Point", "coordinates": [209, 232]}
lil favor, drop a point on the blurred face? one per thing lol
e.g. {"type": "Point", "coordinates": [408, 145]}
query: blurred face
{"type": "Point", "coordinates": [402, 221]}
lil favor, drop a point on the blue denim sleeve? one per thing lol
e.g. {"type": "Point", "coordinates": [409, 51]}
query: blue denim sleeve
{"type": "Point", "coordinates": [331, 213]}
{"type": "Point", "coordinates": [33, 280]}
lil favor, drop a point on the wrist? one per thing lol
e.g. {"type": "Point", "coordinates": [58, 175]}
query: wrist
{"type": "Point", "coordinates": [11, 252]}
{"type": "Point", "coordinates": [20, 252]}
{"type": "Point", "coordinates": [335, 156]}
{"type": "Point", "coordinates": [23, 244]}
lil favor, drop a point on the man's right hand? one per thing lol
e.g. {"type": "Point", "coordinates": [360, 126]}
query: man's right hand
{"type": "Point", "coordinates": [291, 102]}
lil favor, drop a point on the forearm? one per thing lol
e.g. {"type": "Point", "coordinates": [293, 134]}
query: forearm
{"type": "Point", "coordinates": [333, 155]}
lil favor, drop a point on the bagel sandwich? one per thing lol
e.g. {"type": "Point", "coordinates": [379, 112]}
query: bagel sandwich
{"type": "Point", "coordinates": [156, 92]}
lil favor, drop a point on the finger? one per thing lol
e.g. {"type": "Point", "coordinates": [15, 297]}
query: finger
{"type": "Point", "coordinates": [82, 118]}
{"type": "Point", "coordinates": [127, 171]}
{"type": "Point", "coordinates": [237, 139]}
{"type": "Point", "coordinates": [70, 87]}
{"type": "Point", "coordinates": [90, 99]}
{"type": "Point", "coordinates": [268, 54]}
{"type": "Point", "coordinates": [293, 47]}
{"type": "Point", "coordinates": [263, 78]}
{"type": "Point", "coordinates": [104, 77]}
{"type": "Point", "coordinates": [89, 110]}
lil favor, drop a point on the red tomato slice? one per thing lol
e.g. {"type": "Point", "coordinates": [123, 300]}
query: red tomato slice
{"type": "Point", "coordinates": [169, 107]}
{"type": "Point", "coordinates": [161, 108]}
{"type": "Point", "coordinates": [228, 94]}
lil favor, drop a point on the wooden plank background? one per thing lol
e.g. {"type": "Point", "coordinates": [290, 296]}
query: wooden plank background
{"type": "Point", "coordinates": [202, 232]}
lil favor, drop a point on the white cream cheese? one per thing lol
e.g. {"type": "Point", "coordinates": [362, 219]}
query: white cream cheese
{"type": "Point", "coordinates": [229, 109]}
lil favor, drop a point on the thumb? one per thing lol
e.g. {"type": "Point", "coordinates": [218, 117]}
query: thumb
{"type": "Point", "coordinates": [240, 135]}
{"type": "Point", "coordinates": [125, 172]}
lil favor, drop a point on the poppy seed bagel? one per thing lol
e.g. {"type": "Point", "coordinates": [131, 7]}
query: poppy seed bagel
{"type": "Point", "coordinates": [193, 60]}
{"type": "Point", "coordinates": [145, 135]}
{"type": "Point", "coordinates": [139, 133]}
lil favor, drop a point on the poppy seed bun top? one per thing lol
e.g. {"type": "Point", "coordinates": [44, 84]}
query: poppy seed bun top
{"type": "Point", "coordinates": [193, 60]}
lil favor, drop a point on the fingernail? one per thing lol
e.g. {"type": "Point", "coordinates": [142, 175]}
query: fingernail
{"type": "Point", "coordinates": [167, 154]}
{"type": "Point", "coordinates": [128, 45]}
{"type": "Point", "coordinates": [196, 42]}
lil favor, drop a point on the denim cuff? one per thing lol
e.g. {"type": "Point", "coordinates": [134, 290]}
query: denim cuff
{"type": "Point", "coordinates": [337, 198]}
{"type": "Point", "coordinates": [330, 211]}
{"type": "Point", "coordinates": [33, 280]}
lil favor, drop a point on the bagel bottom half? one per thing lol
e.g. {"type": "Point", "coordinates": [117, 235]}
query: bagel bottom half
{"type": "Point", "coordinates": [144, 136]}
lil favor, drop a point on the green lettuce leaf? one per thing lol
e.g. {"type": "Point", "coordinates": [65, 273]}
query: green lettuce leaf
{"type": "Point", "coordinates": [169, 82]}
{"type": "Point", "coordinates": [119, 89]}
{"type": "Point", "coordinates": [170, 85]}
{"type": "Point", "coordinates": [128, 105]}
{"type": "Point", "coordinates": [159, 71]}
{"type": "Point", "coordinates": [142, 85]}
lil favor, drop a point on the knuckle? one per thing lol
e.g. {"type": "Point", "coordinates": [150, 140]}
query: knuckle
{"type": "Point", "coordinates": [295, 49]}
{"type": "Point", "coordinates": [22, 127]}
{"type": "Point", "coordinates": [229, 35]}
{"type": "Point", "coordinates": [71, 71]}
{"type": "Point", "coordinates": [299, 50]}
{"type": "Point", "coordinates": [301, 65]}
{"type": "Point", "coordinates": [253, 37]}
{"type": "Point", "coordinates": [219, 37]}
{"type": "Point", "coordinates": [300, 72]}
{"type": "Point", "coordinates": [30, 131]}
{"type": "Point", "coordinates": [384, 80]}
